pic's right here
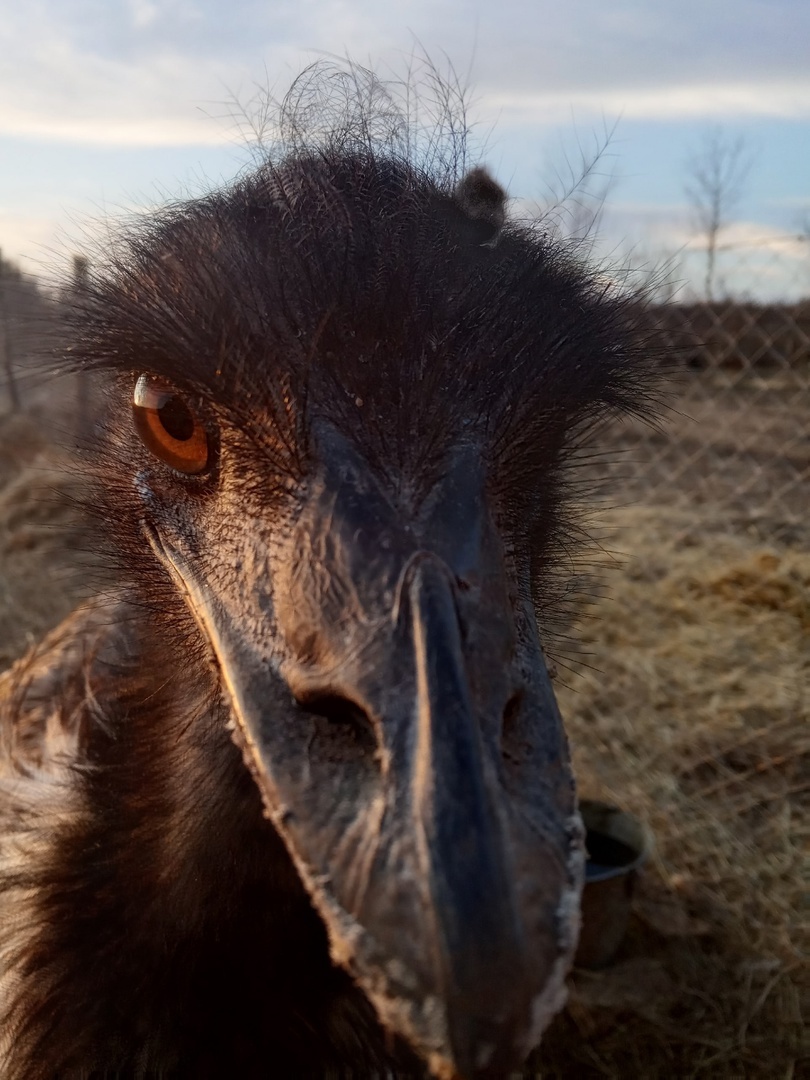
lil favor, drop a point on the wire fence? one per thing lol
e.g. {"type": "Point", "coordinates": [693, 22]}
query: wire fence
{"type": "Point", "coordinates": [734, 442]}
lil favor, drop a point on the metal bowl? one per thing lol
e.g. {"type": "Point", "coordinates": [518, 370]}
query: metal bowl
{"type": "Point", "coordinates": [617, 845]}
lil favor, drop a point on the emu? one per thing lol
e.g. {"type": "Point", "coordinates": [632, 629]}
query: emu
{"type": "Point", "coordinates": [294, 798]}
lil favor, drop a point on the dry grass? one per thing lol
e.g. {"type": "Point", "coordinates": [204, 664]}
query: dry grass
{"type": "Point", "coordinates": [46, 561]}
{"type": "Point", "coordinates": [699, 725]}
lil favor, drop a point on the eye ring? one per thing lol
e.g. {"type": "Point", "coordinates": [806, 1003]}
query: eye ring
{"type": "Point", "coordinates": [169, 427]}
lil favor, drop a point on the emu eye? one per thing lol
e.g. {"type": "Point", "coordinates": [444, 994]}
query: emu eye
{"type": "Point", "coordinates": [168, 426]}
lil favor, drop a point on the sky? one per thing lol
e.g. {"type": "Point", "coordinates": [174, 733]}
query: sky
{"type": "Point", "coordinates": [110, 106]}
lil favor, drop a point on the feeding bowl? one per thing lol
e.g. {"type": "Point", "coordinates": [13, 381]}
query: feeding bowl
{"type": "Point", "coordinates": [617, 844]}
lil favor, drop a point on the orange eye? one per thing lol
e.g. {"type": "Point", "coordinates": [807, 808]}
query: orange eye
{"type": "Point", "coordinates": [168, 427]}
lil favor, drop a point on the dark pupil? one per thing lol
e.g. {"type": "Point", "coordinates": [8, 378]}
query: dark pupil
{"type": "Point", "coordinates": [176, 419]}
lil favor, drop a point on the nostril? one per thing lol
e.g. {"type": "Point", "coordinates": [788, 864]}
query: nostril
{"type": "Point", "coordinates": [335, 708]}
{"type": "Point", "coordinates": [342, 719]}
{"type": "Point", "coordinates": [511, 713]}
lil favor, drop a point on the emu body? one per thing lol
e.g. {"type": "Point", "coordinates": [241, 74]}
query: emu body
{"type": "Point", "coordinates": [297, 797]}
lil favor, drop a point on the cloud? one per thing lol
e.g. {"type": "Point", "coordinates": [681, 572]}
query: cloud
{"type": "Point", "coordinates": [136, 74]}
{"type": "Point", "coordinates": [121, 130]}
{"type": "Point", "coordinates": [756, 239]}
{"type": "Point", "coordinates": [753, 259]}
{"type": "Point", "coordinates": [694, 102]}
{"type": "Point", "coordinates": [144, 13]}
{"type": "Point", "coordinates": [143, 73]}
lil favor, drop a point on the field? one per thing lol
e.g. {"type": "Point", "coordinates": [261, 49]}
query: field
{"type": "Point", "coordinates": [687, 703]}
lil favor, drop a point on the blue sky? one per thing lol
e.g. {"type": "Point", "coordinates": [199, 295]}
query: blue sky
{"type": "Point", "coordinates": [109, 105]}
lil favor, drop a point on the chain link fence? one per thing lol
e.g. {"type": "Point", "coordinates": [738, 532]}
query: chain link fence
{"type": "Point", "coordinates": [725, 472]}
{"type": "Point", "coordinates": [690, 705]}
{"type": "Point", "coordinates": [734, 441]}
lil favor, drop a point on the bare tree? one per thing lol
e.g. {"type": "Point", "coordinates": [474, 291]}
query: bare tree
{"type": "Point", "coordinates": [716, 175]}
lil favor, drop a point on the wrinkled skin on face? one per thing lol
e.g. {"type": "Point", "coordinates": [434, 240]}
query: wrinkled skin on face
{"type": "Point", "coordinates": [393, 704]}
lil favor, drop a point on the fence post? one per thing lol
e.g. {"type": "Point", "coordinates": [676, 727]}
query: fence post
{"type": "Point", "coordinates": [78, 288]}
{"type": "Point", "coordinates": [8, 344]}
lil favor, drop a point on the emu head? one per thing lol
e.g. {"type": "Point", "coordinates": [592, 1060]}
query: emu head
{"type": "Point", "coordinates": [341, 410]}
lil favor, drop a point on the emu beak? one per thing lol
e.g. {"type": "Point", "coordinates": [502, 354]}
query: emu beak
{"type": "Point", "coordinates": [393, 704]}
